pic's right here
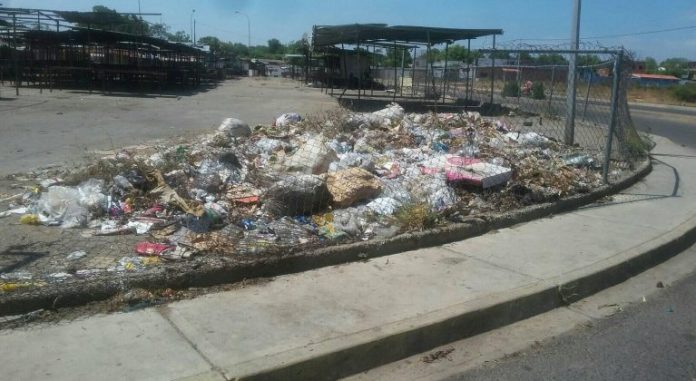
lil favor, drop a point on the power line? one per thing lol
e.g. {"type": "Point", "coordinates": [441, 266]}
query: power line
{"type": "Point", "coordinates": [610, 35]}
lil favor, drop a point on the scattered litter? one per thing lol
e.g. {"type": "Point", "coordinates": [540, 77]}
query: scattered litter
{"type": "Point", "coordinates": [76, 255]}
{"type": "Point", "coordinates": [249, 191]}
{"type": "Point", "coordinates": [438, 355]}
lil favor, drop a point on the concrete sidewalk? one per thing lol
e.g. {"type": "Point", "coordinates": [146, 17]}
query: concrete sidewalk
{"type": "Point", "coordinates": [329, 322]}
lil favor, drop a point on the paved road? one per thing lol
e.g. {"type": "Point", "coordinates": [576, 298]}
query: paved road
{"type": "Point", "coordinates": [653, 341]}
{"type": "Point", "coordinates": [676, 125]}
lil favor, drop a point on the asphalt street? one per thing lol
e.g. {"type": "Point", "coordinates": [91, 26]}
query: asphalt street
{"type": "Point", "coordinates": [651, 341]}
{"type": "Point", "coordinates": [655, 340]}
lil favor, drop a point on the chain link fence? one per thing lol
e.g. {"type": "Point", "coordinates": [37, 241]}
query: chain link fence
{"type": "Point", "coordinates": [248, 193]}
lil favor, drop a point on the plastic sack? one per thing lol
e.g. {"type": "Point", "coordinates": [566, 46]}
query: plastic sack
{"type": "Point", "coordinates": [287, 119]}
{"type": "Point", "coordinates": [313, 157]}
{"type": "Point", "coordinates": [234, 128]}
{"type": "Point", "coordinates": [69, 207]}
{"type": "Point", "coordinates": [384, 205]}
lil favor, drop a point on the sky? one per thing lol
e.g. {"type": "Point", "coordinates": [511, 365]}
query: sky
{"type": "Point", "coordinates": [536, 22]}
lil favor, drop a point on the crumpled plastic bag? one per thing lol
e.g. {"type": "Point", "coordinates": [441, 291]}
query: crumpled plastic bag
{"type": "Point", "coordinates": [234, 128]}
{"type": "Point", "coordinates": [70, 206]}
{"type": "Point", "coordinates": [313, 157]}
{"type": "Point", "coordinates": [287, 119]}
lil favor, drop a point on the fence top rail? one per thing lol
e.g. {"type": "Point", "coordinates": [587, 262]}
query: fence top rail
{"type": "Point", "coordinates": [549, 51]}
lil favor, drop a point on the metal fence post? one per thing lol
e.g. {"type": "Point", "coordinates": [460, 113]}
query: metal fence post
{"type": "Point", "coordinates": [612, 114]}
{"type": "Point", "coordinates": [572, 74]}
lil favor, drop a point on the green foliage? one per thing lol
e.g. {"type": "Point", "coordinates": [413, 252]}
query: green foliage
{"type": "Point", "coordinates": [394, 56]}
{"type": "Point", "coordinates": [180, 36]}
{"type": "Point", "coordinates": [538, 91]}
{"type": "Point", "coordinates": [275, 47]}
{"type": "Point", "coordinates": [588, 60]}
{"type": "Point", "coordinates": [415, 217]}
{"type": "Point", "coordinates": [675, 66]}
{"type": "Point", "coordinates": [551, 59]}
{"type": "Point", "coordinates": [650, 65]}
{"type": "Point", "coordinates": [685, 93]}
{"type": "Point", "coordinates": [511, 89]}
{"type": "Point", "coordinates": [109, 19]}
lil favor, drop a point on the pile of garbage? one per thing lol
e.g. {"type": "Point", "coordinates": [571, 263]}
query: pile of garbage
{"type": "Point", "coordinates": [309, 182]}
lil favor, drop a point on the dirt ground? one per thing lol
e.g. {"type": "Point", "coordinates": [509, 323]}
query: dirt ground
{"type": "Point", "coordinates": [63, 127]}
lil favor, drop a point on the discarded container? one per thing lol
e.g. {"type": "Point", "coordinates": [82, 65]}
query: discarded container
{"type": "Point", "coordinates": [474, 172]}
{"type": "Point", "coordinates": [579, 160]}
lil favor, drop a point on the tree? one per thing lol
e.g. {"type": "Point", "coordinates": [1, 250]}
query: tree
{"type": "Point", "coordinates": [214, 43]}
{"type": "Point", "coordinates": [551, 59]}
{"type": "Point", "coordinates": [394, 57]}
{"type": "Point", "coordinates": [458, 52]}
{"type": "Point", "coordinates": [108, 19]}
{"type": "Point", "coordinates": [650, 65]}
{"type": "Point", "coordinates": [180, 36]}
{"type": "Point", "coordinates": [160, 30]}
{"type": "Point", "coordinates": [677, 67]}
{"type": "Point", "coordinates": [588, 60]}
{"type": "Point", "coordinates": [275, 46]}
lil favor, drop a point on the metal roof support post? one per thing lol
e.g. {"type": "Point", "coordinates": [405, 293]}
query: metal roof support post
{"type": "Point", "coordinates": [444, 74]}
{"type": "Point", "coordinates": [492, 72]}
{"type": "Point", "coordinates": [403, 63]}
{"type": "Point", "coordinates": [357, 51]}
{"type": "Point", "coordinates": [468, 69]}
{"type": "Point", "coordinates": [372, 76]}
{"type": "Point", "coordinates": [14, 53]}
{"type": "Point", "coordinates": [394, 63]}
{"type": "Point", "coordinates": [413, 71]}
{"type": "Point", "coordinates": [345, 72]}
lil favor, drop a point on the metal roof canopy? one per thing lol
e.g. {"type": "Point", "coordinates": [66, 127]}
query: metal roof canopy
{"type": "Point", "coordinates": [327, 35]}
{"type": "Point", "coordinates": [84, 36]}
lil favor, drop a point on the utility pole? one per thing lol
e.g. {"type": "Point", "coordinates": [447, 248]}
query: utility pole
{"type": "Point", "coordinates": [569, 136]}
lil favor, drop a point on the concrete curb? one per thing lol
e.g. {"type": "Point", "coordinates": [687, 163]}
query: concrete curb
{"type": "Point", "coordinates": [381, 345]}
{"type": "Point", "coordinates": [208, 274]}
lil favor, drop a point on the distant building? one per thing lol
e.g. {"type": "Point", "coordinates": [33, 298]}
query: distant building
{"type": "Point", "coordinates": [654, 80]}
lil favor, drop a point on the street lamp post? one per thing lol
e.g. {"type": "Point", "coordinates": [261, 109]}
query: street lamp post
{"type": "Point", "coordinates": [248, 28]}
{"type": "Point", "coordinates": [191, 26]}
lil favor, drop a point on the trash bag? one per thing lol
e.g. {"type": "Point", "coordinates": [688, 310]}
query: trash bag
{"type": "Point", "coordinates": [289, 232]}
{"type": "Point", "coordinates": [299, 194]}
{"type": "Point", "coordinates": [234, 128]}
{"type": "Point", "coordinates": [385, 206]}
{"type": "Point", "coordinates": [287, 119]}
{"type": "Point", "coordinates": [70, 207]}
{"type": "Point", "coordinates": [313, 157]}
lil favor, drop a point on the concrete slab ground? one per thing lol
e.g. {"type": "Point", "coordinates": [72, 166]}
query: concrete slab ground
{"type": "Point", "coordinates": [137, 346]}
{"type": "Point", "coordinates": [65, 126]}
{"type": "Point", "coordinates": [321, 315]}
